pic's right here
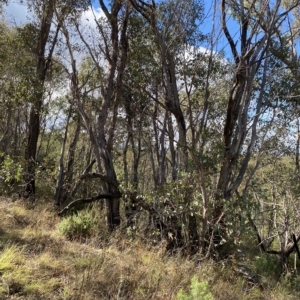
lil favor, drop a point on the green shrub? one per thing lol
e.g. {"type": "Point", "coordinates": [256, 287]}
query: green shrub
{"type": "Point", "coordinates": [79, 225]}
{"type": "Point", "coordinates": [199, 290]}
{"type": "Point", "coordinates": [10, 172]}
{"type": "Point", "coordinates": [267, 264]}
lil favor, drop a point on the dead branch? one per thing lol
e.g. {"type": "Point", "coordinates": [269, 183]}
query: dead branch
{"type": "Point", "coordinates": [139, 201]}
{"type": "Point", "coordinates": [295, 244]}
{"type": "Point", "coordinates": [291, 246]}
{"type": "Point", "coordinates": [101, 176]}
{"type": "Point", "coordinates": [260, 241]}
{"type": "Point", "coordinates": [88, 200]}
{"type": "Point", "coordinates": [87, 169]}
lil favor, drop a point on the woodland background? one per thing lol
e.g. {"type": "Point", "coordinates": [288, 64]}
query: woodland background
{"type": "Point", "coordinates": [171, 125]}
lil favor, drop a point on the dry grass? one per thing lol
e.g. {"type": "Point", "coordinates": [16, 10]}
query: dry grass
{"type": "Point", "coordinates": [36, 262]}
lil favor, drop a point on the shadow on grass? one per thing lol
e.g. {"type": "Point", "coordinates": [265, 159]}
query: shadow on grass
{"type": "Point", "coordinates": [34, 244]}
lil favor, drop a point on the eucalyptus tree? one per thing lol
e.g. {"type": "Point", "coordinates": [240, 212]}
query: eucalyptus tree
{"type": "Point", "coordinates": [42, 52]}
{"type": "Point", "coordinates": [284, 46]}
{"type": "Point", "coordinates": [244, 106]}
{"type": "Point", "coordinates": [109, 58]}
{"type": "Point", "coordinates": [277, 199]}
{"type": "Point", "coordinates": [173, 23]}
{"type": "Point", "coordinates": [143, 94]}
{"type": "Point", "coordinates": [205, 81]}
{"type": "Point", "coordinates": [14, 77]}
{"type": "Point", "coordinates": [18, 80]}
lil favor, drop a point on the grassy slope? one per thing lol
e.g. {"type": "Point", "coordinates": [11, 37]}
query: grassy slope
{"type": "Point", "coordinates": [36, 262]}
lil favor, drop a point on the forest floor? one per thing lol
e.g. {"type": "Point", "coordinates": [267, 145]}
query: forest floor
{"type": "Point", "coordinates": [38, 262]}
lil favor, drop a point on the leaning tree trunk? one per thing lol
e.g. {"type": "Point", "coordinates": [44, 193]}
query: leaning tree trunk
{"type": "Point", "coordinates": [252, 57]}
{"type": "Point", "coordinates": [102, 138]}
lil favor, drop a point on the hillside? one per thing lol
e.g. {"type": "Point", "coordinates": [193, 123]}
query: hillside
{"type": "Point", "coordinates": [37, 262]}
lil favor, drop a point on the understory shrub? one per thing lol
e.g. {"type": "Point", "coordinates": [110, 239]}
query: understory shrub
{"type": "Point", "coordinates": [79, 225]}
{"type": "Point", "coordinates": [199, 290]}
{"type": "Point", "coordinates": [10, 173]}
{"type": "Point", "coordinates": [267, 264]}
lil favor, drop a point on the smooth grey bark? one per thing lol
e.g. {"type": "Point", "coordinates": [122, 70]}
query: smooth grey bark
{"type": "Point", "coordinates": [173, 152]}
{"type": "Point", "coordinates": [238, 123]}
{"type": "Point", "coordinates": [101, 133]}
{"type": "Point", "coordinates": [65, 174]}
{"type": "Point", "coordinates": [172, 102]}
{"type": "Point", "coordinates": [298, 148]}
{"type": "Point", "coordinates": [71, 151]}
{"type": "Point", "coordinates": [60, 178]}
{"type": "Point", "coordinates": [172, 105]}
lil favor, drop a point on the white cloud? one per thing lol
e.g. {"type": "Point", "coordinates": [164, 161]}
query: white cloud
{"type": "Point", "coordinates": [16, 13]}
{"type": "Point", "coordinates": [88, 16]}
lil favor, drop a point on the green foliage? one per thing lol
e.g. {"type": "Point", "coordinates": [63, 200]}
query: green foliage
{"type": "Point", "coordinates": [199, 290]}
{"type": "Point", "coordinates": [291, 282]}
{"type": "Point", "coordinates": [182, 18]}
{"type": "Point", "coordinates": [79, 225]}
{"type": "Point", "coordinates": [11, 169]}
{"type": "Point", "coordinates": [265, 265]}
{"type": "Point", "coordinates": [28, 36]}
{"type": "Point", "coordinates": [180, 191]}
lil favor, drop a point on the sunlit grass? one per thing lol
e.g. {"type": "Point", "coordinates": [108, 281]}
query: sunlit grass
{"type": "Point", "coordinates": [38, 262]}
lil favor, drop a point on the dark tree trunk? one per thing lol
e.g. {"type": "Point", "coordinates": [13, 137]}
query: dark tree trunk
{"type": "Point", "coordinates": [68, 175]}
{"type": "Point", "coordinates": [248, 61]}
{"type": "Point", "coordinates": [43, 64]}
{"type": "Point", "coordinates": [30, 154]}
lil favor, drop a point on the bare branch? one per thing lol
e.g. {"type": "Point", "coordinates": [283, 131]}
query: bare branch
{"type": "Point", "coordinates": [101, 176]}
{"type": "Point", "coordinates": [87, 169]}
{"type": "Point", "coordinates": [88, 200]}
{"type": "Point", "coordinates": [227, 34]}
{"type": "Point", "coordinates": [295, 244]}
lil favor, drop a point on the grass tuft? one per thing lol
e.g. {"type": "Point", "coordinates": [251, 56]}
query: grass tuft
{"type": "Point", "coordinates": [38, 262]}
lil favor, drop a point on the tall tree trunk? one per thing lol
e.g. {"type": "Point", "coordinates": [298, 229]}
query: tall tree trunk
{"type": "Point", "coordinates": [43, 64]}
{"type": "Point", "coordinates": [161, 156]}
{"type": "Point", "coordinates": [167, 57]}
{"type": "Point", "coordinates": [130, 208]}
{"type": "Point", "coordinates": [173, 106]}
{"type": "Point", "coordinates": [102, 138]}
{"type": "Point", "coordinates": [248, 61]}
{"type": "Point", "coordinates": [7, 134]}
{"type": "Point", "coordinates": [60, 178]}
{"type": "Point", "coordinates": [71, 159]}
{"type": "Point", "coordinates": [298, 148]}
{"type": "Point", "coordinates": [112, 94]}
{"type": "Point", "coordinates": [125, 163]}
{"type": "Point", "coordinates": [173, 152]}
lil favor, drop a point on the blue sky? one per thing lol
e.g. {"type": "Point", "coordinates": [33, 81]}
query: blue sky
{"type": "Point", "coordinates": [17, 13]}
